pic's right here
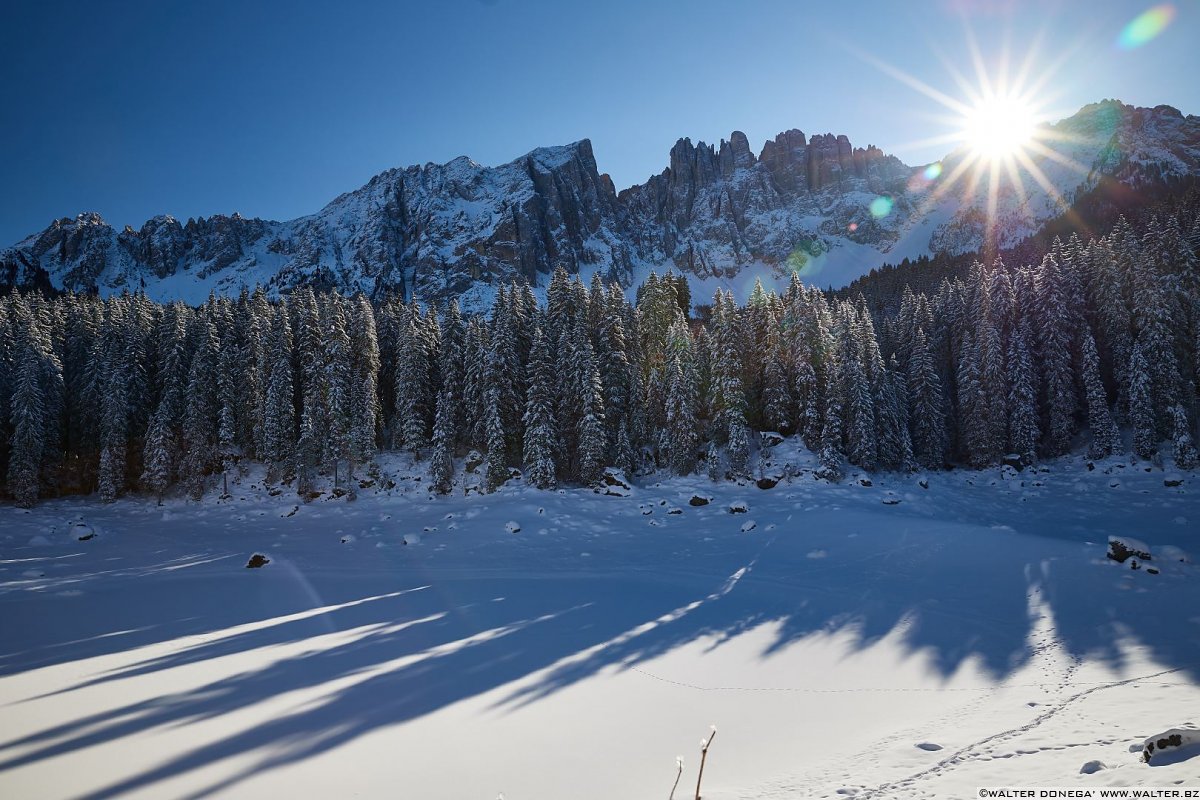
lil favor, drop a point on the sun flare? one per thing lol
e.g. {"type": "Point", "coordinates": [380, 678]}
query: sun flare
{"type": "Point", "coordinates": [999, 127]}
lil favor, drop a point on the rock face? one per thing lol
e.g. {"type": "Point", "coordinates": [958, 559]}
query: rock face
{"type": "Point", "coordinates": [816, 205]}
{"type": "Point", "coordinates": [716, 209]}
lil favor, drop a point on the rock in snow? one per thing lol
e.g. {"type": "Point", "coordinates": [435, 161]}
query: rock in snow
{"type": "Point", "coordinates": [1169, 741]}
{"type": "Point", "coordinates": [1123, 547]}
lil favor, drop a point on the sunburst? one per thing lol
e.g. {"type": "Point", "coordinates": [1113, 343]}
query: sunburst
{"type": "Point", "coordinates": [997, 126]}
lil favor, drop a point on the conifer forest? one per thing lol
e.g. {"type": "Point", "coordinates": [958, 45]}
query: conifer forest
{"type": "Point", "coordinates": [1095, 346]}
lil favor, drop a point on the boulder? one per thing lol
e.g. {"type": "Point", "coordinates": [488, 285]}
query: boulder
{"type": "Point", "coordinates": [1122, 548]}
{"type": "Point", "coordinates": [1169, 741]}
{"type": "Point", "coordinates": [473, 461]}
{"type": "Point", "coordinates": [770, 438]}
{"type": "Point", "coordinates": [257, 561]}
{"type": "Point", "coordinates": [697, 500]}
{"type": "Point", "coordinates": [613, 483]}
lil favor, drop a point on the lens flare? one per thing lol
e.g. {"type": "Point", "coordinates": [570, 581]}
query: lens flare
{"type": "Point", "coordinates": [999, 126]}
{"type": "Point", "coordinates": [1146, 26]}
{"type": "Point", "coordinates": [881, 206]}
{"type": "Point", "coordinates": [933, 171]}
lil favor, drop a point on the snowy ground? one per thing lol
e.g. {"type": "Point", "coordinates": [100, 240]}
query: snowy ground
{"type": "Point", "coordinates": [972, 634]}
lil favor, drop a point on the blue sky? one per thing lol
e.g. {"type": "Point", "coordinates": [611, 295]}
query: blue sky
{"type": "Point", "coordinates": [272, 109]}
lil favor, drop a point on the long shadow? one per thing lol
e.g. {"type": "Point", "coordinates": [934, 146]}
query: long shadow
{"type": "Point", "coordinates": [397, 652]}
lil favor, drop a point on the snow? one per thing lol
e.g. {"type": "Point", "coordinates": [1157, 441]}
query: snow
{"type": "Point", "coordinates": [973, 635]}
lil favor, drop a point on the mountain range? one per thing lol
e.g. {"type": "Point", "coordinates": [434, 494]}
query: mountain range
{"type": "Point", "coordinates": [817, 205]}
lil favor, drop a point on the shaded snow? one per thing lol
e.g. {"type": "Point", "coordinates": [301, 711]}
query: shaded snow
{"type": "Point", "coordinates": [979, 616]}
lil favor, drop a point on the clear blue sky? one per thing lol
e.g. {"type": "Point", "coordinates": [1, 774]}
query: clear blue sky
{"type": "Point", "coordinates": [272, 109]}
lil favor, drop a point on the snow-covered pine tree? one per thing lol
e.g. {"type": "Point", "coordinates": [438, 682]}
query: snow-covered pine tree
{"type": "Point", "coordinates": [926, 410]}
{"type": "Point", "coordinates": [681, 400]}
{"type": "Point", "coordinates": [1022, 395]}
{"type": "Point", "coordinates": [365, 410]}
{"type": "Point", "coordinates": [1142, 415]}
{"type": "Point", "coordinates": [590, 440]}
{"type": "Point", "coordinates": [504, 370]}
{"type": "Point", "coordinates": [26, 415]}
{"type": "Point", "coordinates": [972, 408]}
{"type": "Point", "coordinates": [1055, 319]}
{"type": "Point", "coordinates": [777, 382]}
{"type": "Point", "coordinates": [474, 397]}
{"type": "Point", "coordinates": [541, 447]}
{"type": "Point", "coordinates": [1183, 449]}
{"type": "Point", "coordinates": [114, 403]}
{"type": "Point", "coordinates": [160, 445]}
{"type": "Point", "coordinates": [497, 444]}
{"type": "Point", "coordinates": [413, 392]}
{"type": "Point", "coordinates": [441, 460]}
{"type": "Point", "coordinates": [339, 384]}
{"type": "Point", "coordinates": [1106, 439]}
{"type": "Point", "coordinates": [993, 390]}
{"type": "Point", "coordinates": [279, 409]}
{"type": "Point", "coordinates": [200, 418]}
{"type": "Point", "coordinates": [229, 376]}
{"type": "Point", "coordinates": [862, 445]}
{"type": "Point", "coordinates": [613, 360]}
{"type": "Point", "coordinates": [451, 368]}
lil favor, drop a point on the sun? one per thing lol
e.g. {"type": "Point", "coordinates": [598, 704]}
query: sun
{"type": "Point", "coordinates": [999, 127]}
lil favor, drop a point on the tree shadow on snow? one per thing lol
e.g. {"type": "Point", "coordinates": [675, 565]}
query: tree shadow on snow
{"type": "Point", "coordinates": [383, 652]}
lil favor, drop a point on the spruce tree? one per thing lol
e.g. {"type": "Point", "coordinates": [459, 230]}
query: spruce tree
{"type": "Point", "coordinates": [160, 445]}
{"type": "Point", "coordinates": [681, 400]}
{"type": "Point", "coordinates": [926, 411]}
{"type": "Point", "coordinates": [1141, 404]}
{"type": "Point", "coordinates": [1183, 449]}
{"type": "Point", "coordinates": [1106, 439]}
{"type": "Point", "coordinates": [1022, 395]}
{"type": "Point", "coordinates": [540, 446]}
{"type": "Point", "coordinates": [441, 462]}
{"type": "Point", "coordinates": [497, 444]}
{"type": "Point", "coordinates": [28, 423]}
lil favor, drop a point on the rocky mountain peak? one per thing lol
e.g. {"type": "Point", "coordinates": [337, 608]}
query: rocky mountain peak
{"type": "Point", "coordinates": [452, 229]}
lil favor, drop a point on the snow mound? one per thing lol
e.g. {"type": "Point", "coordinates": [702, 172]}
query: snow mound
{"type": "Point", "coordinates": [512, 527]}
{"type": "Point", "coordinates": [1170, 552]}
{"type": "Point", "coordinates": [348, 538]}
{"type": "Point", "coordinates": [1092, 767]}
{"type": "Point", "coordinates": [82, 532]}
{"type": "Point", "coordinates": [412, 538]}
{"type": "Point", "coordinates": [39, 541]}
{"type": "Point", "coordinates": [749, 525]}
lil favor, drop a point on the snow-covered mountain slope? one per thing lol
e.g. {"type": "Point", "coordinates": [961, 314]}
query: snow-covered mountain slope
{"type": "Point", "coordinates": [1135, 146]}
{"type": "Point", "coordinates": [816, 205]}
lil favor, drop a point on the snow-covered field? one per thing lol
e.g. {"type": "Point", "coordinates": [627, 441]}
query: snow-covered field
{"type": "Point", "coordinates": [971, 634]}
